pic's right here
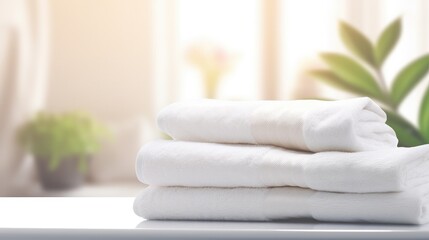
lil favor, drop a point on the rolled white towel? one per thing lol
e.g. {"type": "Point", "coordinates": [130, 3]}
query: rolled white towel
{"type": "Point", "coordinates": [177, 163]}
{"type": "Point", "coordinates": [311, 125]}
{"type": "Point", "coordinates": [265, 204]}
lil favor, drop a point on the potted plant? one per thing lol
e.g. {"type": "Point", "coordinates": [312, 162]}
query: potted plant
{"type": "Point", "coordinates": [62, 146]}
{"type": "Point", "coordinates": [362, 74]}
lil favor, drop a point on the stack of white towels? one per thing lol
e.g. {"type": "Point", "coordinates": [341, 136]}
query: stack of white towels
{"type": "Point", "coordinates": [276, 160]}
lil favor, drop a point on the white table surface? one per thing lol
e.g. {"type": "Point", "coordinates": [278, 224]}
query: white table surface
{"type": "Point", "coordinates": [113, 218]}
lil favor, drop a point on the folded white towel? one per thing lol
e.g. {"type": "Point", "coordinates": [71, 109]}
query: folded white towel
{"type": "Point", "coordinates": [263, 204]}
{"type": "Point", "coordinates": [347, 125]}
{"type": "Point", "coordinates": [177, 163]}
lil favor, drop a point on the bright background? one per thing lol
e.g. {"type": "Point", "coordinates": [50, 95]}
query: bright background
{"type": "Point", "coordinates": [123, 60]}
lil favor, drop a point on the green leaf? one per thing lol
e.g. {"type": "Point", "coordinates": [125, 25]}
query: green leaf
{"type": "Point", "coordinates": [387, 41]}
{"type": "Point", "coordinates": [352, 73]}
{"type": "Point", "coordinates": [424, 115]}
{"type": "Point", "coordinates": [407, 134]}
{"type": "Point", "coordinates": [60, 136]}
{"type": "Point", "coordinates": [408, 77]}
{"type": "Point", "coordinates": [330, 78]}
{"type": "Point", "coordinates": [333, 80]}
{"type": "Point", "coordinates": [357, 43]}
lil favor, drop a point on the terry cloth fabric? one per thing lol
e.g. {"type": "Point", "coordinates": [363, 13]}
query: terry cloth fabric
{"type": "Point", "coordinates": [346, 125]}
{"type": "Point", "coordinates": [193, 164]}
{"type": "Point", "coordinates": [267, 204]}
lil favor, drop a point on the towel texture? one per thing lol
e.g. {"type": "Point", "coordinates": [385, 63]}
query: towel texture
{"type": "Point", "coordinates": [311, 125]}
{"type": "Point", "coordinates": [264, 204]}
{"type": "Point", "coordinates": [177, 163]}
{"type": "Point", "coordinates": [276, 160]}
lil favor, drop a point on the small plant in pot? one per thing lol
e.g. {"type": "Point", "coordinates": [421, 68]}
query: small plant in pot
{"type": "Point", "coordinates": [62, 145]}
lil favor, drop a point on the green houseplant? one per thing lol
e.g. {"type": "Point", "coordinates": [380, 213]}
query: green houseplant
{"type": "Point", "coordinates": [362, 74]}
{"type": "Point", "coordinates": [62, 145]}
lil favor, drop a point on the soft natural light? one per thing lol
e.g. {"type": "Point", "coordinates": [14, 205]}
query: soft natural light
{"type": "Point", "coordinates": [308, 27]}
{"type": "Point", "coordinates": [234, 25]}
{"type": "Point", "coordinates": [225, 119]}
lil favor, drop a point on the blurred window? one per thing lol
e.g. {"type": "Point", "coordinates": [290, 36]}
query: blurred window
{"type": "Point", "coordinates": [231, 25]}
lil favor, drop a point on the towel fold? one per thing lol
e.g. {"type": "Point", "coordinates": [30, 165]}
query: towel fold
{"type": "Point", "coordinates": [177, 163]}
{"type": "Point", "coordinates": [311, 125]}
{"type": "Point", "coordinates": [264, 204]}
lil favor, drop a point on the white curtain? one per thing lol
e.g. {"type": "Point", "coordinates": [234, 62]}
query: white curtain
{"type": "Point", "coordinates": [23, 63]}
